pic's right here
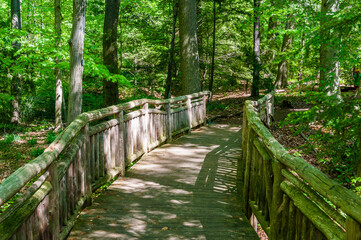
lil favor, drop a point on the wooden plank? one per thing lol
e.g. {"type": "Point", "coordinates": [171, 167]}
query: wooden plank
{"type": "Point", "coordinates": [246, 187]}
{"type": "Point", "coordinates": [87, 168]}
{"type": "Point", "coordinates": [97, 156]}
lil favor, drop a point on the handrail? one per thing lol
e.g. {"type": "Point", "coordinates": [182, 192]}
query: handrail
{"type": "Point", "coordinates": [287, 179]}
{"type": "Point", "coordinates": [174, 122]}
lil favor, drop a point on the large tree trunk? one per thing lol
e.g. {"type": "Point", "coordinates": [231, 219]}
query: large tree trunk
{"type": "Point", "coordinates": [282, 74]}
{"type": "Point", "coordinates": [16, 81]}
{"type": "Point", "coordinates": [76, 44]}
{"type": "Point", "coordinates": [171, 53]}
{"type": "Point", "coordinates": [256, 49]}
{"type": "Point", "coordinates": [329, 51]}
{"type": "Point", "coordinates": [110, 51]}
{"type": "Point", "coordinates": [190, 81]}
{"type": "Point", "coordinates": [58, 81]}
{"type": "Point", "coordinates": [213, 46]}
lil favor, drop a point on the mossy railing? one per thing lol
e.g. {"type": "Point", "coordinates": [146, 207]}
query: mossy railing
{"type": "Point", "coordinates": [290, 198]}
{"type": "Point", "coordinates": [47, 193]}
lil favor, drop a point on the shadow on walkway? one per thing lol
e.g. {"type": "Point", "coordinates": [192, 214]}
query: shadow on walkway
{"type": "Point", "coordinates": [183, 190]}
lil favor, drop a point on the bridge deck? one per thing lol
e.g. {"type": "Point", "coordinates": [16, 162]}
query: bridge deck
{"type": "Point", "coordinates": [182, 190]}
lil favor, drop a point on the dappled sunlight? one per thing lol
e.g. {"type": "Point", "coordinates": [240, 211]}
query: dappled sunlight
{"type": "Point", "coordinates": [183, 190]}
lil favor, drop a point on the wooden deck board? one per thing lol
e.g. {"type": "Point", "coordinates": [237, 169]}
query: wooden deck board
{"type": "Point", "coordinates": [183, 190]}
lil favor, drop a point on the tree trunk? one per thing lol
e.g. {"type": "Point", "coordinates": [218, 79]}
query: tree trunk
{"type": "Point", "coordinates": [282, 74]}
{"type": "Point", "coordinates": [110, 51]}
{"type": "Point", "coordinates": [256, 49]}
{"type": "Point", "coordinates": [171, 53]}
{"type": "Point", "coordinates": [58, 81]}
{"type": "Point", "coordinates": [190, 81]}
{"type": "Point", "coordinates": [329, 51]}
{"type": "Point", "coordinates": [76, 44]}
{"type": "Point", "coordinates": [213, 46]}
{"type": "Point", "coordinates": [16, 81]}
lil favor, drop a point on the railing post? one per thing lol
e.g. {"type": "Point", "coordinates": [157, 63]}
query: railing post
{"type": "Point", "coordinates": [168, 122]}
{"type": "Point", "coordinates": [121, 146]}
{"type": "Point", "coordinates": [353, 229]}
{"type": "Point", "coordinates": [205, 110]}
{"type": "Point", "coordinates": [189, 113]}
{"type": "Point", "coordinates": [54, 202]}
{"type": "Point", "coordinates": [145, 128]}
{"type": "Point", "coordinates": [277, 198]}
{"type": "Point", "coordinates": [86, 160]}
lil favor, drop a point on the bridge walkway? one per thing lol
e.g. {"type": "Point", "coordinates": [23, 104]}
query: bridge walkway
{"type": "Point", "coordinates": [182, 190]}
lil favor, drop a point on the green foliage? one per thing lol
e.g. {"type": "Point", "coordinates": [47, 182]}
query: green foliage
{"type": "Point", "coordinates": [9, 138]}
{"type": "Point", "coordinates": [32, 142]}
{"type": "Point", "coordinates": [37, 152]}
{"type": "Point", "coordinates": [50, 137]}
{"type": "Point", "coordinates": [337, 134]}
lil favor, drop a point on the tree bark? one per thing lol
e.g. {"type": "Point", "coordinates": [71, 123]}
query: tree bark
{"type": "Point", "coordinates": [58, 81]}
{"type": "Point", "coordinates": [256, 49]}
{"type": "Point", "coordinates": [171, 53]}
{"type": "Point", "coordinates": [329, 51]}
{"type": "Point", "coordinates": [282, 74]}
{"type": "Point", "coordinates": [190, 80]}
{"type": "Point", "coordinates": [76, 44]}
{"type": "Point", "coordinates": [16, 81]}
{"type": "Point", "coordinates": [213, 46]}
{"type": "Point", "coordinates": [110, 51]}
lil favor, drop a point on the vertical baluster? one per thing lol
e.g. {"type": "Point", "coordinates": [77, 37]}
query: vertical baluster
{"type": "Point", "coordinates": [86, 167]}
{"type": "Point", "coordinates": [70, 191]}
{"type": "Point", "coordinates": [189, 113]}
{"type": "Point", "coordinates": [29, 228]}
{"type": "Point", "coordinates": [304, 228]}
{"type": "Point", "coordinates": [145, 123]}
{"type": "Point", "coordinates": [36, 233]}
{"type": "Point", "coordinates": [21, 233]}
{"type": "Point", "coordinates": [353, 229]}
{"type": "Point", "coordinates": [64, 205]}
{"type": "Point", "coordinates": [121, 144]}
{"type": "Point", "coordinates": [97, 156]}
{"type": "Point", "coordinates": [246, 189]}
{"type": "Point", "coordinates": [42, 214]}
{"type": "Point", "coordinates": [112, 147]}
{"type": "Point", "coordinates": [92, 157]}
{"type": "Point", "coordinates": [291, 221]}
{"type": "Point", "coordinates": [285, 216]}
{"type": "Point", "coordinates": [54, 203]}
{"type": "Point", "coordinates": [168, 122]}
{"type": "Point", "coordinates": [129, 144]}
{"type": "Point", "coordinates": [76, 177]}
{"type": "Point", "coordinates": [277, 197]}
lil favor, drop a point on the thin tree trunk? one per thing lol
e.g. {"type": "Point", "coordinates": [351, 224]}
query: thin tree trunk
{"type": "Point", "coordinates": [171, 53]}
{"type": "Point", "coordinates": [58, 81]}
{"type": "Point", "coordinates": [329, 51]}
{"type": "Point", "coordinates": [190, 80]}
{"type": "Point", "coordinates": [76, 45]}
{"type": "Point", "coordinates": [300, 75]}
{"type": "Point", "coordinates": [213, 46]}
{"type": "Point", "coordinates": [256, 50]}
{"type": "Point", "coordinates": [16, 81]}
{"type": "Point", "coordinates": [282, 74]}
{"type": "Point", "coordinates": [110, 51]}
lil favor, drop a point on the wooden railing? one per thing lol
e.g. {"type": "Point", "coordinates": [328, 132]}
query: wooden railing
{"type": "Point", "coordinates": [45, 196]}
{"type": "Point", "coordinates": [290, 198]}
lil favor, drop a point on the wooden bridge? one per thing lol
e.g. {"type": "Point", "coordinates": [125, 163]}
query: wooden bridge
{"type": "Point", "coordinates": [196, 187]}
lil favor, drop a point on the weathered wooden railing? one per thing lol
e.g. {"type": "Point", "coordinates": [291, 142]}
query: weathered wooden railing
{"type": "Point", "coordinates": [290, 198]}
{"type": "Point", "coordinates": [45, 195]}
